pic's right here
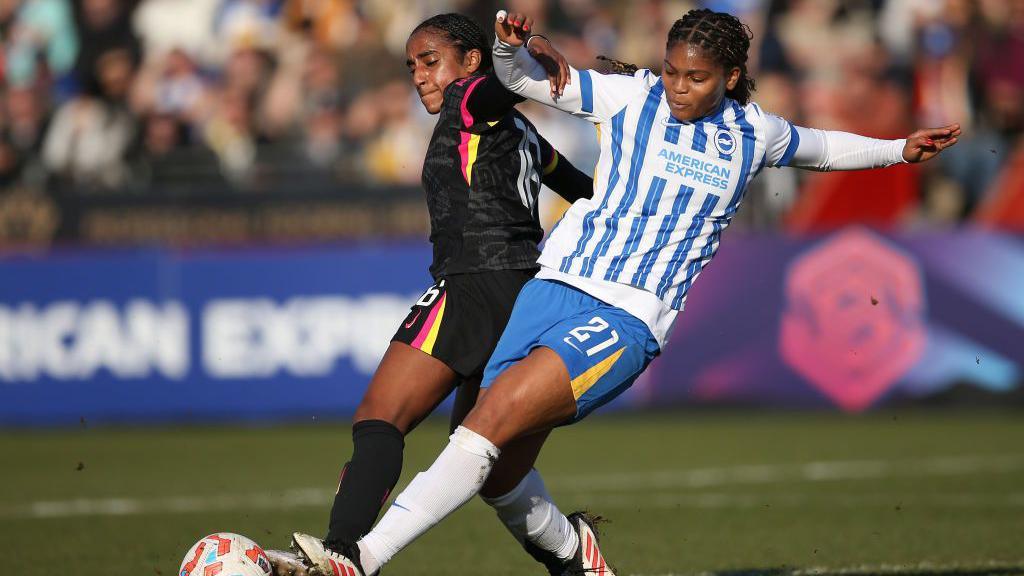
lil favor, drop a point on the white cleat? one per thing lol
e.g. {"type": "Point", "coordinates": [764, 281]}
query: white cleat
{"type": "Point", "coordinates": [322, 561]}
{"type": "Point", "coordinates": [588, 559]}
{"type": "Point", "coordinates": [284, 563]}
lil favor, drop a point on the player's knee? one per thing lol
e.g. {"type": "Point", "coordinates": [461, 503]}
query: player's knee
{"type": "Point", "coordinates": [496, 416]}
{"type": "Point", "coordinates": [481, 419]}
{"type": "Point", "coordinates": [374, 409]}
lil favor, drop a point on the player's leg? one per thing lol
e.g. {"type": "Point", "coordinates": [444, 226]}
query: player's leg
{"type": "Point", "coordinates": [465, 398]}
{"type": "Point", "coordinates": [518, 495]}
{"type": "Point", "coordinates": [517, 460]}
{"type": "Point", "coordinates": [514, 489]}
{"type": "Point", "coordinates": [532, 396]}
{"type": "Point", "coordinates": [445, 340]}
{"type": "Point", "coordinates": [472, 457]}
{"type": "Point", "coordinates": [407, 386]}
{"type": "Point", "coordinates": [516, 492]}
{"type": "Point", "coordinates": [464, 465]}
{"type": "Point", "coordinates": [562, 354]}
{"type": "Point", "coordinates": [412, 378]}
{"type": "Point", "coordinates": [549, 385]}
{"type": "Point", "coordinates": [603, 355]}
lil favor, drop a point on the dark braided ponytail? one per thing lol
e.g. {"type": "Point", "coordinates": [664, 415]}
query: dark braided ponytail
{"type": "Point", "coordinates": [724, 37]}
{"type": "Point", "coordinates": [464, 33]}
{"type": "Point", "coordinates": [619, 67]}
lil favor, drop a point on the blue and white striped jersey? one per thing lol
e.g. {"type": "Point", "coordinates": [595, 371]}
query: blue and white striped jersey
{"type": "Point", "coordinates": [664, 190]}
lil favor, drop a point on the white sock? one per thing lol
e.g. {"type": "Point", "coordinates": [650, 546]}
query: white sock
{"type": "Point", "coordinates": [529, 513]}
{"type": "Point", "coordinates": [455, 477]}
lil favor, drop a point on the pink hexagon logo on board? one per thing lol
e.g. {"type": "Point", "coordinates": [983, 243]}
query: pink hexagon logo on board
{"type": "Point", "coordinates": [853, 323]}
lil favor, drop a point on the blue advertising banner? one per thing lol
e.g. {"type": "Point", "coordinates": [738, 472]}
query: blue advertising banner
{"type": "Point", "coordinates": [850, 321]}
{"type": "Point", "coordinates": [154, 335]}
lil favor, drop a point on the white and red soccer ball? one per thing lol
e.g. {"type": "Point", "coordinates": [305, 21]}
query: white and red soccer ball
{"type": "Point", "coordinates": [225, 554]}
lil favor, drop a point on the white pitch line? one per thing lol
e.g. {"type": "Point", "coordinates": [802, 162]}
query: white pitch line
{"type": "Point", "coordinates": [602, 489]}
{"type": "Point", "coordinates": [313, 498]}
{"type": "Point", "coordinates": [720, 501]}
{"type": "Point", "coordinates": [873, 569]}
{"type": "Point", "coordinates": [284, 500]}
{"type": "Point", "coordinates": [823, 471]}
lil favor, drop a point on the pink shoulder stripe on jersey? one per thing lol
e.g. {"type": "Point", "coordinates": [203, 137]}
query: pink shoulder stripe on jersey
{"type": "Point", "coordinates": [468, 142]}
{"type": "Point", "coordinates": [467, 118]}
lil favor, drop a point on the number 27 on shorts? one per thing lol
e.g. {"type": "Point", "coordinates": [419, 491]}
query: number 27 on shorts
{"type": "Point", "coordinates": [582, 335]}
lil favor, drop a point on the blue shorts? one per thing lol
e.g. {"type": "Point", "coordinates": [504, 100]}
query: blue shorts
{"type": "Point", "coordinates": [604, 347]}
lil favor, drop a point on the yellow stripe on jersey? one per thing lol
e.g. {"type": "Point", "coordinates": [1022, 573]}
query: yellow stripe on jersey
{"type": "Point", "coordinates": [553, 164]}
{"type": "Point", "coordinates": [583, 382]}
{"type": "Point", "coordinates": [471, 148]}
{"type": "Point", "coordinates": [428, 344]}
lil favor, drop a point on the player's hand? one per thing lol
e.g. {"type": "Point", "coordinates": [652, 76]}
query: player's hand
{"type": "Point", "coordinates": [924, 145]}
{"type": "Point", "coordinates": [512, 28]}
{"type": "Point", "coordinates": [553, 62]}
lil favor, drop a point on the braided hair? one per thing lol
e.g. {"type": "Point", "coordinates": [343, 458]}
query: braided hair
{"type": "Point", "coordinates": [619, 67]}
{"type": "Point", "coordinates": [724, 37]}
{"type": "Point", "coordinates": [463, 32]}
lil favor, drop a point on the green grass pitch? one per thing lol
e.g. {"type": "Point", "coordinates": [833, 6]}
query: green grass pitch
{"type": "Point", "coordinates": [726, 494]}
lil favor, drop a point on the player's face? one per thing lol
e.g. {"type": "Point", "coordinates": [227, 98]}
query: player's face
{"type": "Point", "coordinates": [694, 83]}
{"type": "Point", "coordinates": [434, 64]}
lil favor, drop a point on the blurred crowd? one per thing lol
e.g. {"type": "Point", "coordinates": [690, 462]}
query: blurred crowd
{"type": "Point", "coordinates": [249, 95]}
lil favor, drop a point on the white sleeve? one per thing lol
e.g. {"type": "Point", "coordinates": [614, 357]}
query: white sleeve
{"type": "Point", "coordinates": [590, 95]}
{"type": "Point", "coordinates": [825, 150]}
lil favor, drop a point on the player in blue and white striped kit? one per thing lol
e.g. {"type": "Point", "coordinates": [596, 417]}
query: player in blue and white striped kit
{"type": "Point", "coordinates": [677, 153]}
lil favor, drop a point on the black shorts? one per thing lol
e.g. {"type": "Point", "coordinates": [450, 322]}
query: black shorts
{"type": "Point", "coordinates": [459, 319]}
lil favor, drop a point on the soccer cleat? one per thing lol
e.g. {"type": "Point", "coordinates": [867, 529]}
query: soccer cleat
{"type": "Point", "coordinates": [322, 561]}
{"type": "Point", "coordinates": [588, 560]}
{"type": "Point", "coordinates": [284, 563]}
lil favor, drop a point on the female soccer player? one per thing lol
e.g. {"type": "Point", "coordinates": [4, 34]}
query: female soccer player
{"type": "Point", "coordinates": [677, 153]}
{"type": "Point", "coordinates": [482, 174]}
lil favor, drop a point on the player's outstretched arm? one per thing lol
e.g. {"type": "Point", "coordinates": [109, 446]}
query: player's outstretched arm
{"type": "Point", "coordinates": [827, 150]}
{"type": "Point", "coordinates": [926, 144]}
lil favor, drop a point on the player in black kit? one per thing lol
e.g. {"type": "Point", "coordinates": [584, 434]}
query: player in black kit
{"type": "Point", "coordinates": [482, 175]}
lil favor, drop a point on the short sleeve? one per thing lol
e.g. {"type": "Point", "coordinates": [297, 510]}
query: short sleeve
{"type": "Point", "coordinates": [782, 141]}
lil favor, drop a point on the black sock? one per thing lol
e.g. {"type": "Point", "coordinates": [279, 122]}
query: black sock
{"type": "Point", "coordinates": [366, 481]}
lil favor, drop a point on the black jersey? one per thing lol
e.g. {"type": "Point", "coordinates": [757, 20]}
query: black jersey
{"type": "Point", "coordinates": [482, 176]}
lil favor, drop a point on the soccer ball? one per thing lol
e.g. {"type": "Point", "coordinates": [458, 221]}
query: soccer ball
{"type": "Point", "coordinates": [225, 554]}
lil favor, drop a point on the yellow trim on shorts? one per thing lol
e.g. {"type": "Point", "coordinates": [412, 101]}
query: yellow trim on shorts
{"type": "Point", "coordinates": [585, 381]}
{"type": "Point", "coordinates": [428, 344]}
